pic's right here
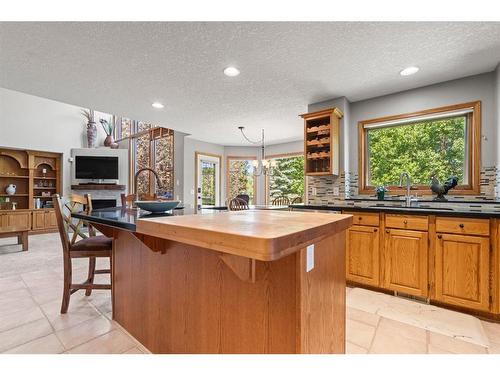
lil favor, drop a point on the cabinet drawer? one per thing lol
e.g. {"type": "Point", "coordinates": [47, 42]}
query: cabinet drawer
{"type": "Point", "coordinates": [478, 227]}
{"type": "Point", "coordinates": [15, 221]}
{"type": "Point", "coordinates": [411, 222]}
{"type": "Point", "coordinates": [364, 218]}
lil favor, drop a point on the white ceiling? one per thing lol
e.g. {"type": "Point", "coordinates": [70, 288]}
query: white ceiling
{"type": "Point", "coordinates": [122, 68]}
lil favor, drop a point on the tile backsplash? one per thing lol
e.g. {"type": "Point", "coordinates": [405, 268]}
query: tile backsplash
{"type": "Point", "coordinates": [321, 189]}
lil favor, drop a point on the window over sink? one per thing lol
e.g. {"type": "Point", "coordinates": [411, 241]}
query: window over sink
{"type": "Point", "coordinates": [442, 141]}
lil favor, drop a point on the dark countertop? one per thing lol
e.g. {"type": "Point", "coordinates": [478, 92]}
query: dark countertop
{"type": "Point", "coordinates": [423, 209]}
{"type": "Point", "coordinates": [401, 198]}
{"type": "Point", "coordinates": [126, 218]}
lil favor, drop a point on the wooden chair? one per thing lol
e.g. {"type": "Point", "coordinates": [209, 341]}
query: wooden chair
{"type": "Point", "coordinates": [90, 246]}
{"type": "Point", "coordinates": [281, 201]}
{"type": "Point", "coordinates": [244, 197]}
{"type": "Point", "coordinates": [297, 200]}
{"type": "Point", "coordinates": [237, 204]}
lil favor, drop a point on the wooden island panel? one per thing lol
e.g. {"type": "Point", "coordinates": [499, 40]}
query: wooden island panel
{"type": "Point", "coordinates": [182, 298]}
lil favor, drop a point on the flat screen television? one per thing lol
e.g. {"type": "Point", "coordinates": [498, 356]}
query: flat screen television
{"type": "Point", "coordinates": [96, 167]}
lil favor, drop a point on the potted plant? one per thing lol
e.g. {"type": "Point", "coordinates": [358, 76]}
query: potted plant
{"type": "Point", "coordinates": [380, 191]}
{"type": "Point", "coordinates": [109, 129]}
{"type": "Point", "coordinates": [91, 128]}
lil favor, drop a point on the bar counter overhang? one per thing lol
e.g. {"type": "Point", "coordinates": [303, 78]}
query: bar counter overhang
{"type": "Point", "coordinates": [232, 282]}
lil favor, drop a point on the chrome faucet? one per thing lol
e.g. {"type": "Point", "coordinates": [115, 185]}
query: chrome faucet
{"type": "Point", "coordinates": [137, 177]}
{"type": "Point", "coordinates": [408, 197]}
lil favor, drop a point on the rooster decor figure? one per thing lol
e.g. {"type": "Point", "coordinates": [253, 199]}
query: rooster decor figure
{"type": "Point", "coordinates": [442, 190]}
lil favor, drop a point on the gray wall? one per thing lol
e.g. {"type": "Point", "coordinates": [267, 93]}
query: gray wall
{"type": "Point", "coordinates": [480, 87]}
{"type": "Point", "coordinates": [497, 110]}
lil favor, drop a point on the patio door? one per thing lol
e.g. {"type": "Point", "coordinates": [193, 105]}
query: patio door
{"type": "Point", "coordinates": [207, 180]}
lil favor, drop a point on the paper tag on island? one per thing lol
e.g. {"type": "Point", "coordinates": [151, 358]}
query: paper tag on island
{"type": "Point", "coordinates": [309, 258]}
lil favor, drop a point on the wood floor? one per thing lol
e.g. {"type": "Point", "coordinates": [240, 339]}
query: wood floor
{"type": "Point", "coordinates": [30, 296]}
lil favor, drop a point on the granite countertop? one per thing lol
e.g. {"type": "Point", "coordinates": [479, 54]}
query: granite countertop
{"type": "Point", "coordinates": [426, 208]}
{"type": "Point", "coordinates": [451, 199]}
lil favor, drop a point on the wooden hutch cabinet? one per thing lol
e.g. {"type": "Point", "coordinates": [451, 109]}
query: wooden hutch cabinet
{"type": "Point", "coordinates": [36, 175]}
{"type": "Point", "coordinates": [321, 142]}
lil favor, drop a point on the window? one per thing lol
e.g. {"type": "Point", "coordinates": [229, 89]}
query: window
{"type": "Point", "coordinates": [240, 178]}
{"type": "Point", "coordinates": [288, 178]}
{"type": "Point", "coordinates": [443, 142]}
{"type": "Point", "coordinates": [149, 146]}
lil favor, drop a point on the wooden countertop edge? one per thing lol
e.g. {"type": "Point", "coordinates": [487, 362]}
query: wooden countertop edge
{"type": "Point", "coordinates": [263, 249]}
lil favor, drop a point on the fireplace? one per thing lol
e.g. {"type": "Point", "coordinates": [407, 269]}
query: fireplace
{"type": "Point", "coordinates": [103, 203]}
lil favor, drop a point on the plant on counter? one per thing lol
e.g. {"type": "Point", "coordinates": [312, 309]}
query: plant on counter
{"type": "Point", "coordinates": [380, 191]}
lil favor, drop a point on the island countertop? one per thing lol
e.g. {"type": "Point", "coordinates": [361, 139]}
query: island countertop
{"type": "Point", "coordinates": [261, 234]}
{"type": "Point", "coordinates": [228, 282]}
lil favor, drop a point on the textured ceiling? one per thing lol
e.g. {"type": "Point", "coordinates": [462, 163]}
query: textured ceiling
{"type": "Point", "coordinates": [122, 68]}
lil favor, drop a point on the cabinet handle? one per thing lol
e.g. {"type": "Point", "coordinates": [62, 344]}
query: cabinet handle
{"type": "Point", "coordinates": [359, 217]}
{"type": "Point", "coordinates": [387, 231]}
{"type": "Point", "coordinates": [406, 221]}
{"type": "Point", "coordinates": [375, 230]}
{"type": "Point", "coordinates": [461, 225]}
{"type": "Point", "coordinates": [439, 236]}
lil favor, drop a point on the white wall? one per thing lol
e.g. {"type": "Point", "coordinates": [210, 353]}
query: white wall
{"type": "Point", "coordinates": [31, 122]}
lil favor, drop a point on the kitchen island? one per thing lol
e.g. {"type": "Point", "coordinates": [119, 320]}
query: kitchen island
{"type": "Point", "coordinates": [229, 282]}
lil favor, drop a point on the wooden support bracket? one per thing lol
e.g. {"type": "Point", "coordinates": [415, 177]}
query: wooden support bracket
{"type": "Point", "coordinates": [154, 243]}
{"type": "Point", "coordinates": [244, 268]}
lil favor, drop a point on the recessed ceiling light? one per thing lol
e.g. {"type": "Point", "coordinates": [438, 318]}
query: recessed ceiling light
{"type": "Point", "coordinates": [157, 105]}
{"type": "Point", "coordinates": [231, 71]}
{"type": "Point", "coordinates": [409, 71]}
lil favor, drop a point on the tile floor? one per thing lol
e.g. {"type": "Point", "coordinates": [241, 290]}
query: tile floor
{"type": "Point", "coordinates": [30, 297]}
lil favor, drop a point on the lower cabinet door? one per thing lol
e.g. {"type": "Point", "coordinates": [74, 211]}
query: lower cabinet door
{"type": "Point", "coordinates": [406, 261]}
{"type": "Point", "coordinates": [38, 220]}
{"type": "Point", "coordinates": [362, 255]}
{"type": "Point", "coordinates": [462, 270]}
{"type": "Point", "coordinates": [15, 221]}
{"type": "Point", "coordinates": [50, 220]}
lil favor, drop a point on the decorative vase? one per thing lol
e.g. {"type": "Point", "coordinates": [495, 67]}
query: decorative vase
{"type": "Point", "coordinates": [109, 141]}
{"type": "Point", "coordinates": [11, 189]}
{"type": "Point", "coordinates": [380, 195]}
{"type": "Point", "coordinates": [91, 134]}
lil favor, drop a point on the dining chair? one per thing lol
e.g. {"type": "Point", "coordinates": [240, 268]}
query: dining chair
{"type": "Point", "coordinates": [281, 201]}
{"type": "Point", "coordinates": [244, 197]}
{"type": "Point", "coordinates": [297, 200]}
{"type": "Point", "coordinates": [237, 204]}
{"type": "Point", "coordinates": [128, 199]}
{"type": "Point", "coordinates": [90, 245]}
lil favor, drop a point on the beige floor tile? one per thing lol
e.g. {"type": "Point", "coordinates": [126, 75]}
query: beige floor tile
{"type": "Point", "coordinates": [494, 348]}
{"type": "Point", "coordinates": [394, 343]}
{"type": "Point", "coordinates": [11, 283]}
{"type": "Point", "coordinates": [351, 348]}
{"type": "Point", "coordinates": [135, 350]}
{"type": "Point", "coordinates": [44, 345]}
{"type": "Point", "coordinates": [114, 342]}
{"type": "Point", "coordinates": [435, 350]}
{"type": "Point", "coordinates": [14, 301]}
{"type": "Point", "coordinates": [492, 331]}
{"type": "Point", "coordinates": [388, 326]}
{"type": "Point", "coordinates": [17, 318]}
{"type": "Point", "coordinates": [359, 333]}
{"type": "Point", "coordinates": [454, 345]}
{"type": "Point", "coordinates": [362, 316]}
{"type": "Point", "coordinates": [23, 334]}
{"type": "Point", "coordinates": [79, 311]}
{"type": "Point", "coordinates": [84, 332]}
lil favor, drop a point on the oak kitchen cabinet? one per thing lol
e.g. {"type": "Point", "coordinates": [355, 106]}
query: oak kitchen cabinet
{"type": "Point", "coordinates": [44, 220]}
{"type": "Point", "coordinates": [449, 260]}
{"type": "Point", "coordinates": [462, 270]}
{"type": "Point", "coordinates": [362, 255]}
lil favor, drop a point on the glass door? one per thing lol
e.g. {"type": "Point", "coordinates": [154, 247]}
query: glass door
{"type": "Point", "coordinates": [208, 180]}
